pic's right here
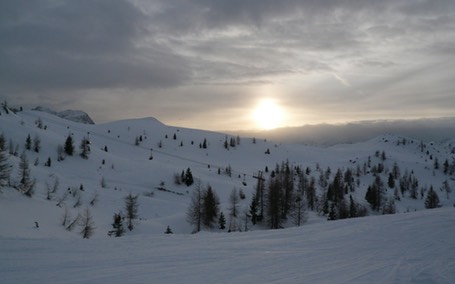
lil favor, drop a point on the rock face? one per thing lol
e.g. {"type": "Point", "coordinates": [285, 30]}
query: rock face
{"type": "Point", "coordinates": [76, 116]}
{"type": "Point", "coordinates": [73, 115]}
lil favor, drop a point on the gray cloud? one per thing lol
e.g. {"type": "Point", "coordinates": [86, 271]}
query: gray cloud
{"type": "Point", "coordinates": [210, 55]}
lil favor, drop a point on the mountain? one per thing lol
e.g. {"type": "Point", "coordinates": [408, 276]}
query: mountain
{"type": "Point", "coordinates": [146, 158]}
{"type": "Point", "coordinates": [430, 129]}
{"type": "Point", "coordinates": [73, 115]}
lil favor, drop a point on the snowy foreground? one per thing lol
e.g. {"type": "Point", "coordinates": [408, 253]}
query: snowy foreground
{"type": "Point", "coordinates": [417, 247]}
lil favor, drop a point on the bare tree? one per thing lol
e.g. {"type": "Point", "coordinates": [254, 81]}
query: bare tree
{"type": "Point", "coordinates": [66, 217]}
{"type": "Point", "coordinates": [95, 199]}
{"type": "Point", "coordinates": [52, 189]}
{"type": "Point", "coordinates": [234, 201]}
{"type": "Point", "coordinates": [78, 197]}
{"type": "Point", "coordinates": [194, 213]}
{"type": "Point", "coordinates": [62, 199]}
{"type": "Point", "coordinates": [87, 224]}
{"type": "Point", "coordinates": [73, 223]}
{"type": "Point", "coordinates": [4, 169]}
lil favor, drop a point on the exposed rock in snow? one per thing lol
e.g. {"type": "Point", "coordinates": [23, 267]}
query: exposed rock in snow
{"type": "Point", "coordinates": [73, 115]}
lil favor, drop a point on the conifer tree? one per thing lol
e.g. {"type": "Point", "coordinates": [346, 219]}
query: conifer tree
{"type": "Point", "coordinates": [254, 209]}
{"type": "Point", "coordinates": [168, 230]}
{"type": "Point", "coordinates": [131, 208]}
{"type": "Point", "coordinates": [391, 181]}
{"type": "Point", "coordinates": [2, 143]}
{"type": "Point", "coordinates": [36, 144]}
{"type": "Point", "coordinates": [222, 221]}
{"type": "Point", "coordinates": [432, 200]}
{"type": "Point", "coordinates": [210, 207]}
{"type": "Point", "coordinates": [69, 146]}
{"type": "Point", "coordinates": [117, 226]}
{"type": "Point", "coordinates": [28, 142]}
{"type": "Point", "coordinates": [26, 185]}
{"type": "Point", "coordinates": [274, 202]}
{"type": "Point", "coordinates": [85, 147]}
{"type": "Point", "coordinates": [189, 177]}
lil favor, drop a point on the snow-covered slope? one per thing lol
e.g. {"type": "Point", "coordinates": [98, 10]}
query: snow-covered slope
{"type": "Point", "coordinates": [416, 247]}
{"type": "Point", "coordinates": [73, 115]}
{"type": "Point", "coordinates": [119, 163]}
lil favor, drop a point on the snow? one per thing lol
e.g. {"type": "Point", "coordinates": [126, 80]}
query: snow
{"type": "Point", "coordinates": [414, 247]}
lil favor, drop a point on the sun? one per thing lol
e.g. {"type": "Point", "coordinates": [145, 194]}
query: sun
{"type": "Point", "coordinates": [268, 114]}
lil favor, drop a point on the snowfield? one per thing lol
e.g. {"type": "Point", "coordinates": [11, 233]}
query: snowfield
{"type": "Point", "coordinates": [143, 157]}
{"type": "Point", "coordinates": [415, 247]}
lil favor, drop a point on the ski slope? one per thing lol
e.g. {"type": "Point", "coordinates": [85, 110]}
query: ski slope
{"type": "Point", "coordinates": [416, 247]}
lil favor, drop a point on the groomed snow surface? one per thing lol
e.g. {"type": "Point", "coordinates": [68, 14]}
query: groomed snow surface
{"type": "Point", "coordinates": [417, 247]}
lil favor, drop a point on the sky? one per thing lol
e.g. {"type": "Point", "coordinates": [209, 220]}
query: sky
{"type": "Point", "coordinates": [231, 65]}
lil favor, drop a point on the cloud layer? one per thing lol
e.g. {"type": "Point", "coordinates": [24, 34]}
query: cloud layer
{"type": "Point", "coordinates": [183, 60]}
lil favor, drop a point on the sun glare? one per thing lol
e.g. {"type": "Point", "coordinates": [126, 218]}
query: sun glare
{"type": "Point", "coordinates": [268, 114]}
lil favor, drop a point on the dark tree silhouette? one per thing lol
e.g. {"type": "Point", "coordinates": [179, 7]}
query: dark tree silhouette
{"type": "Point", "coordinates": [432, 200]}
{"type": "Point", "coordinates": [131, 208]}
{"type": "Point", "coordinates": [69, 146]}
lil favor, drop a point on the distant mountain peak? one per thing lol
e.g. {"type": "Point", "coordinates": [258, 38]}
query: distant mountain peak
{"type": "Point", "coordinates": [72, 115]}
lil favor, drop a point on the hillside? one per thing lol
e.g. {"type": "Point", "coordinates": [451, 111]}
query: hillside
{"type": "Point", "coordinates": [415, 247]}
{"type": "Point", "coordinates": [144, 157]}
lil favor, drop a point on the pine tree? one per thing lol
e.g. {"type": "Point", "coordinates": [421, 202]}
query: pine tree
{"type": "Point", "coordinates": [189, 177]}
{"type": "Point", "coordinates": [85, 148]}
{"type": "Point", "coordinates": [2, 143]}
{"type": "Point", "coordinates": [168, 230]}
{"type": "Point", "coordinates": [117, 226]}
{"type": "Point", "coordinates": [254, 209]}
{"type": "Point", "coordinates": [391, 181]}
{"type": "Point", "coordinates": [69, 146]}
{"type": "Point", "coordinates": [274, 199]}
{"type": "Point", "coordinates": [26, 185]}
{"type": "Point", "coordinates": [36, 144]}
{"type": "Point", "coordinates": [222, 221]}
{"type": "Point", "coordinates": [28, 142]}
{"type": "Point", "coordinates": [131, 208]}
{"type": "Point", "coordinates": [432, 200]}
{"type": "Point", "coordinates": [210, 207]}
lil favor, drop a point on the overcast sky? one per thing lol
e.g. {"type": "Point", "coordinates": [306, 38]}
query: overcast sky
{"type": "Point", "coordinates": [207, 64]}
